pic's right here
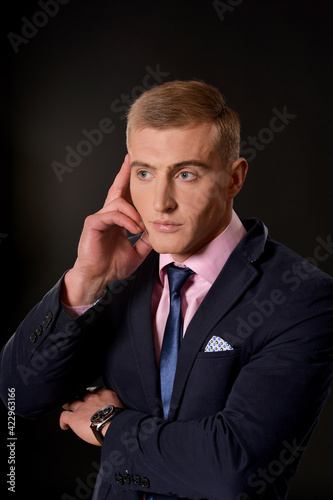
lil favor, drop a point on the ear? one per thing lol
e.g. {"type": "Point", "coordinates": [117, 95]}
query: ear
{"type": "Point", "coordinates": [237, 172]}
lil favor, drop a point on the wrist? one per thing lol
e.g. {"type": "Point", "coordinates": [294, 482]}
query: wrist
{"type": "Point", "coordinates": [77, 290]}
{"type": "Point", "coordinates": [100, 421]}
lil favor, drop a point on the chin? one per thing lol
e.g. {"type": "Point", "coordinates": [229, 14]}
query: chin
{"type": "Point", "coordinates": [160, 248]}
{"type": "Point", "coordinates": [162, 244]}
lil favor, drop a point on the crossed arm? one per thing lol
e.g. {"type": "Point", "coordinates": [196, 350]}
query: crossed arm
{"type": "Point", "coordinates": [78, 413]}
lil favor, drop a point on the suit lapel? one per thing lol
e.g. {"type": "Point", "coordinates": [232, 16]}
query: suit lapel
{"type": "Point", "coordinates": [141, 332]}
{"type": "Point", "coordinates": [234, 279]}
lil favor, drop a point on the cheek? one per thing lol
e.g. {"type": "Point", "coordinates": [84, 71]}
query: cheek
{"type": "Point", "coordinates": [210, 194]}
{"type": "Point", "coordinates": [208, 200]}
{"type": "Point", "coordinates": [137, 197]}
{"type": "Point", "coordinates": [208, 211]}
{"type": "Point", "coordinates": [132, 189]}
{"type": "Point", "coordinates": [139, 206]}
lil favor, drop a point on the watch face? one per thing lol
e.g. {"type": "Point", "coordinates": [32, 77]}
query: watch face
{"type": "Point", "coordinates": [102, 414]}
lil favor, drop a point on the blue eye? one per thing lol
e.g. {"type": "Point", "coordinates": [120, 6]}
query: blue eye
{"type": "Point", "coordinates": [186, 176]}
{"type": "Point", "coordinates": [143, 174]}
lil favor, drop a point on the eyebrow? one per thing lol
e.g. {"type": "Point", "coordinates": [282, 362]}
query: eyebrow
{"type": "Point", "coordinates": [181, 164]}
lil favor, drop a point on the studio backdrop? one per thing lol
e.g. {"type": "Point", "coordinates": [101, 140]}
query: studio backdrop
{"type": "Point", "coordinates": [70, 69]}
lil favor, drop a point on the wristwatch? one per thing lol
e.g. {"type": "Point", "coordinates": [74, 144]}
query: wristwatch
{"type": "Point", "coordinates": [102, 417]}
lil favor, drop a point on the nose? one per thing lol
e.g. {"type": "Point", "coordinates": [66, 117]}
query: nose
{"type": "Point", "coordinates": [164, 197]}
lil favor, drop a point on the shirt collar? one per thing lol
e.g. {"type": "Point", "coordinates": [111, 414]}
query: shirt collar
{"type": "Point", "coordinates": [208, 262]}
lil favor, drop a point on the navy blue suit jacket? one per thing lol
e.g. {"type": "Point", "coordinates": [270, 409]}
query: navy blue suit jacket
{"type": "Point", "coordinates": [239, 420]}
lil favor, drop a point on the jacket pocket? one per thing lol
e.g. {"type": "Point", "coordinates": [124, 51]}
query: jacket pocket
{"type": "Point", "coordinates": [209, 383]}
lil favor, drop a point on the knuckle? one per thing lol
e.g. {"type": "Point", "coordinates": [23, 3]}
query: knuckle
{"type": "Point", "coordinates": [88, 220]}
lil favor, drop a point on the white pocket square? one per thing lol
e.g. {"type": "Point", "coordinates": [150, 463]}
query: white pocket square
{"type": "Point", "coordinates": [217, 344]}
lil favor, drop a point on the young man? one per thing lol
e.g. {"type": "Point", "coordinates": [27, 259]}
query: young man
{"type": "Point", "coordinates": [212, 388]}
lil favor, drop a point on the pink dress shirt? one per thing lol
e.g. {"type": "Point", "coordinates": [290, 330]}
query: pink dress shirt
{"type": "Point", "coordinates": [207, 263]}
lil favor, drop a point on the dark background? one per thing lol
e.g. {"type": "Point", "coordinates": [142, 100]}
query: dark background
{"type": "Point", "coordinates": [263, 55]}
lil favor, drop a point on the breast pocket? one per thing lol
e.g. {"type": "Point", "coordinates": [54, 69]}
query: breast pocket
{"type": "Point", "coordinates": [210, 383]}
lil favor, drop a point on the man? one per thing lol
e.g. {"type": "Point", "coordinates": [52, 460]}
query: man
{"type": "Point", "coordinates": [212, 389]}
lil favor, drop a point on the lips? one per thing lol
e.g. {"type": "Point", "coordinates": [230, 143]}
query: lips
{"type": "Point", "coordinates": [166, 226]}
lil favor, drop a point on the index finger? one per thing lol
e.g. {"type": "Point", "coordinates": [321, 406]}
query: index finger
{"type": "Point", "coordinates": [120, 186]}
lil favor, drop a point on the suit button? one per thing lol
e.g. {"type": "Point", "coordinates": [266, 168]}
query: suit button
{"type": "Point", "coordinates": [137, 479]}
{"type": "Point", "coordinates": [47, 319]}
{"type": "Point", "coordinates": [33, 337]}
{"type": "Point", "coordinates": [145, 482]}
{"type": "Point", "coordinates": [127, 478]}
{"type": "Point", "coordinates": [119, 479]}
{"type": "Point", "coordinates": [39, 330]}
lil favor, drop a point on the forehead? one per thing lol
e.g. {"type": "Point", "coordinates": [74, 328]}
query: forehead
{"type": "Point", "coordinates": [172, 144]}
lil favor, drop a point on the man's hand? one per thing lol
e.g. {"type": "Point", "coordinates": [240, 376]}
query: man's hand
{"type": "Point", "coordinates": [105, 253]}
{"type": "Point", "coordinates": [79, 412]}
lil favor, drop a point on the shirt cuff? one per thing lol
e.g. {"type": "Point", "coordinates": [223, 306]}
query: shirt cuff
{"type": "Point", "coordinates": [75, 311]}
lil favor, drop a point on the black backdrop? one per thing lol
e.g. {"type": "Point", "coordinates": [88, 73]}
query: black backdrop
{"type": "Point", "coordinates": [70, 67]}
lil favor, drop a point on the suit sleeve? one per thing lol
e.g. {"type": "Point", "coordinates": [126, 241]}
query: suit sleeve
{"type": "Point", "coordinates": [270, 414]}
{"type": "Point", "coordinates": [50, 358]}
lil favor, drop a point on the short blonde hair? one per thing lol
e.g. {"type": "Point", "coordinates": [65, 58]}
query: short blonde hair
{"type": "Point", "coordinates": [184, 104]}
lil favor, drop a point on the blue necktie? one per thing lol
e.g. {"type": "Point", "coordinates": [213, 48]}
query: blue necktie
{"type": "Point", "coordinates": [173, 334]}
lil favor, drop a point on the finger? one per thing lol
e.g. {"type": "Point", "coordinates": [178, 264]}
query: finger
{"type": "Point", "coordinates": [143, 246]}
{"type": "Point", "coordinates": [92, 396]}
{"type": "Point", "coordinates": [72, 405]}
{"type": "Point", "coordinates": [121, 205]}
{"type": "Point", "coordinates": [121, 220]}
{"type": "Point", "coordinates": [124, 216]}
{"type": "Point", "coordinates": [120, 186]}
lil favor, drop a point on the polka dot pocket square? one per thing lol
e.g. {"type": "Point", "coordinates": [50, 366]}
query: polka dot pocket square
{"type": "Point", "coordinates": [216, 344]}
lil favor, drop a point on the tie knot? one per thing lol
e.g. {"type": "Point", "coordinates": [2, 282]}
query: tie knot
{"type": "Point", "coordinates": [177, 277]}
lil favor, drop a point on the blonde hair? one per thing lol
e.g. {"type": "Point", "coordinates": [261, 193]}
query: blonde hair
{"type": "Point", "coordinates": [184, 104]}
